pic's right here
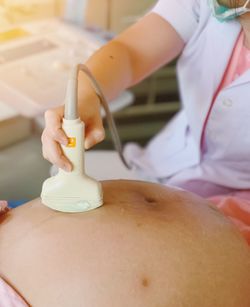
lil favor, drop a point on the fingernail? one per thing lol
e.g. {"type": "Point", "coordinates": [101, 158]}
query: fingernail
{"type": "Point", "coordinates": [3, 205]}
{"type": "Point", "coordinates": [98, 135]}
{"type": "Point", "coordinates": [64, 142]}
{"type": "Point", "coordinates": [87, 144]}
{"type": "Point", "coordinates": [67, 167]}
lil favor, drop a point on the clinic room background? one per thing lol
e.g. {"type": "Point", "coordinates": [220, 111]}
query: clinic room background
{"type": "Point", "coordinates": [40, 40]}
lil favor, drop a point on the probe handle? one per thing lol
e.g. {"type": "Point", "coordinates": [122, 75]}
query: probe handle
{"type": "Point", "coordinates": [74, 151]}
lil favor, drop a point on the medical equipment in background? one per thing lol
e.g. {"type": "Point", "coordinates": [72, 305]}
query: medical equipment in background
{"type": "Point", "coordinates": [13, 127]}
{"type": "Point", "coordinates": [74, 11]}
{"type": "Point", "coordinates": [75, 191]}
{"type": "Point", "coordinates": [20, 11]}
{"type": "Point", "coordinates": [35, 60]}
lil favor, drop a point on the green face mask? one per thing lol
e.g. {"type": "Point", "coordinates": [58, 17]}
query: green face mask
{"type": "Point", "coordinates": [223, 13]}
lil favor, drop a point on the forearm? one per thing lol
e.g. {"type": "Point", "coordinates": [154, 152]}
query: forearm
{"type": "Point", "coordinates": [133, 55]}
{"type": "Point", "coordinates": [111, 67]}
{"type": "Point", "coordinates": [129, 58]}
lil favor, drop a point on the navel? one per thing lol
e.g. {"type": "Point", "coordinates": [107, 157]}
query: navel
{"type": "Point", "coordinates": [145, 282]}
{"type": "Point", "coordinates": [150, 200]}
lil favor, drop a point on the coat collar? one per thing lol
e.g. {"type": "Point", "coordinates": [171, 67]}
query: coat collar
{"type": "Point", "coordinates": [222, 44]}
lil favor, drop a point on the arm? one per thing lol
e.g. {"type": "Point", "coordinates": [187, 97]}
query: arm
{"type": "Point", "coordinates": [134, 55]}
{"type": "Point", "coordinates": [126, 60]}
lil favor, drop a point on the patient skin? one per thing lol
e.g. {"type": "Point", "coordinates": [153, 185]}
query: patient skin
{"type": "Point", "coordinates": [147, 246]}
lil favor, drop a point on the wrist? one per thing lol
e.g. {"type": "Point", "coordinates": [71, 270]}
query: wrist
{"type": "Point", "coordinates": [86, 90]}
{"type": "Point", "coordinates": [86, 97]}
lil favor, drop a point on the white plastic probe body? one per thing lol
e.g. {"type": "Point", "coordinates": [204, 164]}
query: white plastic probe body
{"type": "Point", "coordinates": [72, 191]}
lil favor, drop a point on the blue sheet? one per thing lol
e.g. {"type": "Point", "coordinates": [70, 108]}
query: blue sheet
{"type": "Point", "coordinates": [16, 203]}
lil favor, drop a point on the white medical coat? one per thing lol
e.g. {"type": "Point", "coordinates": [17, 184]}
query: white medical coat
{"type": "Point", "coordinates": [175, 154]}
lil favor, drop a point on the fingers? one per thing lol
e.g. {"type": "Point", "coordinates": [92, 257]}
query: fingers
{"type": "Point", "coordinates": [52, 137]}
{"type": "Point", "coordinates": [3, 207]}
{"type": "Point", "coordinates": [53, 124]}
{"type": "Point", "coordinates": [90, 113]}
{"type": "Point", "coordinates": [94, 133]}
{"type": "Point", "coordinates": [53, 152]}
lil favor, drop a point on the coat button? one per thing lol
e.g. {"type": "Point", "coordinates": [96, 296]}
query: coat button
{"type": "Point", "coordinates": [213, 137]}
{"type": "Point", "coordinates": [227, 102]}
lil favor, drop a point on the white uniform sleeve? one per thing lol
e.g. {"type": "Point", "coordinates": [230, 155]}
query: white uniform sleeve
{"type": "Point", "coordinates": [183, 15]}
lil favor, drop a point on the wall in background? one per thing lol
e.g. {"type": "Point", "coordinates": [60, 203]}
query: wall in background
{"type": "Point", "coordinates": [113, 15]}
{"type": "Point", "coordinates": [116, 15]}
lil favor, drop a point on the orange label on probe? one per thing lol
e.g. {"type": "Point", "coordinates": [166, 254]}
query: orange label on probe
{"type": "Point", "coordinates": [71, 142]}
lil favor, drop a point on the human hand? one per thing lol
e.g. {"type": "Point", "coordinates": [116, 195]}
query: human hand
{"type": "Point", "coordinates": [53, 134]}
{"type": "Point", "coordinates": [3, 207]}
